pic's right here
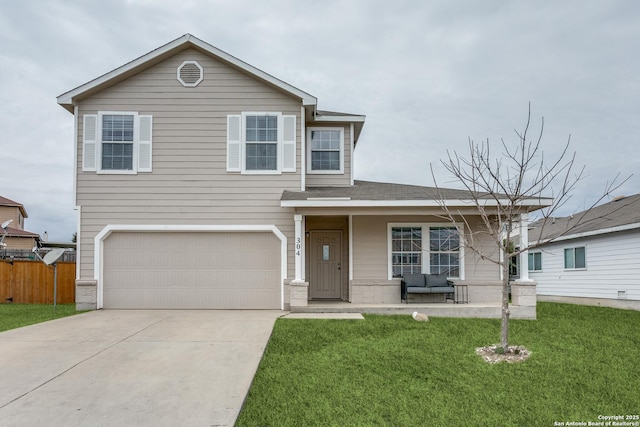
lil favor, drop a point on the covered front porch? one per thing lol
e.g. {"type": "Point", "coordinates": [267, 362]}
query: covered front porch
{"type": "Point", "coordinates": [353, 246]}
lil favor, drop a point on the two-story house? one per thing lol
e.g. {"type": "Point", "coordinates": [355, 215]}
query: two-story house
{"type": "Point", "coordinates": [204, 182]}
{"type": "Point", "coordinates": [15, 237]}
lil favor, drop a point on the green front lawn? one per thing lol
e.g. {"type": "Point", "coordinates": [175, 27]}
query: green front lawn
{"type": "Point", "coordinates": [392, 370]}
{"type": "Point", "coordinates": [16, 315]}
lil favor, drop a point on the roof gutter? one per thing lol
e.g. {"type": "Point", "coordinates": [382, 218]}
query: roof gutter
{"type": "Point", "coordinates": [346, 202]}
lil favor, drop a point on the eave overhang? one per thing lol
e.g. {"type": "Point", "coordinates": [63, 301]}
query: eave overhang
{"type": "Point", "coordinates": [450, 204]}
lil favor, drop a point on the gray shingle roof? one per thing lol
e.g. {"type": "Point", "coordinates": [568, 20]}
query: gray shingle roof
{"type": "Point", "coordinates": [620, 212]}
{"type": "Point", "coordinates": [367, 190]}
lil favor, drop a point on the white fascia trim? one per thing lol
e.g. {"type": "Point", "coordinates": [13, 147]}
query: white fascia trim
{"type": "Point", "coordinates": [67, 98]}
{"type": "Point", "coordinates": [352, 147]}
{"type": "Point", "coordinates": [98, 268]}
{"type": "Point", "coordinates": [75, 158]}
{"type": "Point", "coordinates": [303, 149]}
{"type": "Point", "coordinates": [347, 119]}
{"type": "Point", "coordinates": [321, 202]}
{"type": "Point", "coordinates": [590, 233]}
{"type": "Point", "coordinates": [78, 240]}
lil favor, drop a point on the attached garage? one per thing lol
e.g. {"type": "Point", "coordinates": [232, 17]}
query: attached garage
{"type": "Point", "coordinates": [181, 269]}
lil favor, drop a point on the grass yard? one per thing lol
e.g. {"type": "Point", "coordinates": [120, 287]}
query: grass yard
{"type": "Point", "coordinates": [392, 370]}
{"type": "Point", "coordinates": [16, 315]}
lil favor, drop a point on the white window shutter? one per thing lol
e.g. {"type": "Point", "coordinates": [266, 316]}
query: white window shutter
{"type": "Point", "coordinates": [144, 144]}
{"type": "Point", "coordinates": [288, 143]}
{"type": "Point", "coordinates": [89, 141]}
{"type": "Point", "coordinates": [234, 143]}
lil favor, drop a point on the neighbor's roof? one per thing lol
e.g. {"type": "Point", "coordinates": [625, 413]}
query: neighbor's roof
{"type": "Point", "coordinates": [16, 232]}
{"type": "Point", "coordinates": [8, 202]}
{"type": "Point", "coordinates": [68, 99]}
{"type": "Point", "coordinates": [367, 193]}
{"type": "Point", "coordinates": [620, 214]}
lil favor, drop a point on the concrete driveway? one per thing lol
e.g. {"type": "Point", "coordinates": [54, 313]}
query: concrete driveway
{"type": "Point", "coordinates": [132, 368]}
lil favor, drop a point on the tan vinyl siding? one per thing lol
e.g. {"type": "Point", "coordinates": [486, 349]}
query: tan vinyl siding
{"type": "Point", "coordinates": [20, 242]}
{"type": "Point", "coordinates": [189, 183]}
{"type": "Point", "coordinates": [336, 180]}
{"type": "Point", "coordinates": [371, 252]}
{"type": "Point", "coordinates": [11, 212]}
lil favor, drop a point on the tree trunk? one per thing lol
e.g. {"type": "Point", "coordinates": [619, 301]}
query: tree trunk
{"type": "Point", "coordinates": [504, 324]}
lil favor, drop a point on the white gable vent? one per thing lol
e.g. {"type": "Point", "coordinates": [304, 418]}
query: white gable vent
{"type": "Point", "coordinates": [190, 74]}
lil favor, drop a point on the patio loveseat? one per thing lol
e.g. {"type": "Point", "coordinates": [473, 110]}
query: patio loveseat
{"type": "Point", "coordinates": [414, 283]}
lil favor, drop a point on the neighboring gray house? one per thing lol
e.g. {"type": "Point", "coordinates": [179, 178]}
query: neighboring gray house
{"type": "Point", "coordinates": [595, 263]}
{"type": "Point", "coordinates": [204, 182]}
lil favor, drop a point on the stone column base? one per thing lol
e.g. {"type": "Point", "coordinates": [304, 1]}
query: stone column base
{"type": "Point", "coordinates": [523, 293]}
{"type": "Point", "coordinates": [298, 294]}
{"type": "Point", "coordinates": [86, 295]}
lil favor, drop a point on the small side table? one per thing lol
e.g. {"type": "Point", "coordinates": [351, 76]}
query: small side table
{"type": "Point", "coordinates": [461, 294]}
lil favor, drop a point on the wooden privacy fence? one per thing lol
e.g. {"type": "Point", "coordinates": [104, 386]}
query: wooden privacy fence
{"type": "Point", "coordinates": [31, 282]}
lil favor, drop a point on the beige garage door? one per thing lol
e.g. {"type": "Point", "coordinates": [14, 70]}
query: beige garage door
{"type": "Point", "coordinates": [189, 270]}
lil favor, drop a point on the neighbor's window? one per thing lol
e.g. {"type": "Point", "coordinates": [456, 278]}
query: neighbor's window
{"type": "Point", "coordinates": [406, 250]}
{"type": "Point", "coordinates": [535, 261]}
{"type": "Point", "coordinates": [117, 142]}
{"type": "Point", "coordinates": [574, 258]}
{"type": "Point", "coordinates": [325, 150]}
{"type": "Point", "coordinates": [444, 248]}
{"type": "Point", "coordinates": [261, 143]}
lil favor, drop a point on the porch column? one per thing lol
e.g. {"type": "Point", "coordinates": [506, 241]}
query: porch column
{"type": "Point", "coordinates": [524, 242]}
{"type": "Point", "coordinates": [297, 243]}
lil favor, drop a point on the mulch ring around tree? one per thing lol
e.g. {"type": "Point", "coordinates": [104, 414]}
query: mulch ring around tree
{"type": "Point", "coordinates": [514, 354]}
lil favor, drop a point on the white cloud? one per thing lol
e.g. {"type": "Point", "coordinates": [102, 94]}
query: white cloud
{"type": "Point", "coordinates": [428, 75]}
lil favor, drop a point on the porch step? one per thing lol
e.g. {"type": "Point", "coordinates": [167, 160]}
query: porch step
{"type": "Point", "coordinates": [432, 310]}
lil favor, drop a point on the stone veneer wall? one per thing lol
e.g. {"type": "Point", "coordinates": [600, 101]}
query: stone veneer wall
{"type": "Point", "coordinates": [375, 292]}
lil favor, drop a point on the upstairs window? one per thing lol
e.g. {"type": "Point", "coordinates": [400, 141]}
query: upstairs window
{"type": "Point", "coordinates": [261, 143]}
{"type": "Point", "coordinates": [116, 142]}
{"type": "Point", "coordinates": [326, 148]}
{"type": "Point", "coordinates": [575, 258]}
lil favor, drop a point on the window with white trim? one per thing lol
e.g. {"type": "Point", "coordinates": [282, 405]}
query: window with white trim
{"type": "Point", "coordinates": [535, 261]}
{"type": "Point", "coordinates": [325, 151]}
{"type": "Point", "coordinates": [406, 250]}
{"type": "Point", "coordinates": [261, 143]}
{"type": "Point", "coordinates": [117, 142]}
{"type": "Point", "coordinates": [575, 258]}
{"type": "Point", "coordinates": [444, 251]}
{"type": "Point", "coordinates": [410, 253]}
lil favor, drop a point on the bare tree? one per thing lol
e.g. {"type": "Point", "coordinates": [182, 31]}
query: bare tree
{"type": "Point", "coordinates": [506, 186]}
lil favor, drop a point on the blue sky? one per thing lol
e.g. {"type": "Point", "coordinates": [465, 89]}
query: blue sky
{"type": "Point", "coordinates": [429, 76]}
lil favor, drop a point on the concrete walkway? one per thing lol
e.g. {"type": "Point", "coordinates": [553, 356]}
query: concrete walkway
{"type": "Point", "coordinates": [132, 368]}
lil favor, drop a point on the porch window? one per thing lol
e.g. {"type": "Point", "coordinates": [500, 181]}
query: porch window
{"type": "Point", "coordinates": [444, 248]}
{"type": "Point", "coordinates": [406, 252]}
{"type": "Point", "coordinates": [424, 248]}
